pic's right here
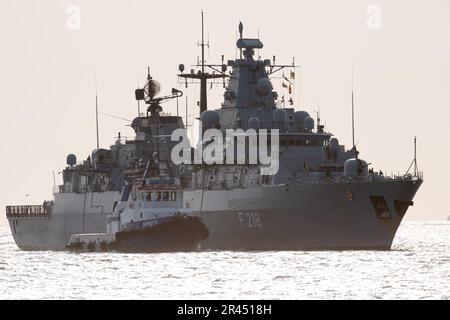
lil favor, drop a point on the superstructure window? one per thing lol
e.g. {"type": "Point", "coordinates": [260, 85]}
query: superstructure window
{"type": "Point", "coordinates": [165, 196]}
{"type": "Point", "coordinates": [149, 196]}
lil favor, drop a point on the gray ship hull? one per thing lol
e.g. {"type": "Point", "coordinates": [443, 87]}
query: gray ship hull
{"type": "Point", "coordinates": [72, 214]}
{"type": "Point", "coordinates": [312, 216]}
{"type": "Point", "coordinates": [305, 217]}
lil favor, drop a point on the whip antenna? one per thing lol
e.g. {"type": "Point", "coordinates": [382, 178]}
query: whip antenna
{"type": "Point", "coordinates": [96, 110]}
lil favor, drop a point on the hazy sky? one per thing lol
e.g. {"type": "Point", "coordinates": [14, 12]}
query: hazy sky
{"type": "Point", "coordinates": [47, 87]}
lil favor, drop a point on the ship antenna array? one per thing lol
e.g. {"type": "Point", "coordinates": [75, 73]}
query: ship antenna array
{"type": "Point", "coordinates": [320, 128]}
{"type": "Point", "coordinates": [203, 44]}
{"type": "Point", "coordinates": [414, 162]}
{"type": "Point", "coordinates": [202, 75]}
{"type": "Point", "coordinates": [241, 32]}
{"type": "Point", "coordinates": [353, 110]}
{"type": "Point", "coordinates": [150, 91]}
{"type": "Point", "coordinates": [138, 101]}
{"type": "Point", "coordinates": [96, 110]}
{"type": "Point", "coordinates": [353, 115]}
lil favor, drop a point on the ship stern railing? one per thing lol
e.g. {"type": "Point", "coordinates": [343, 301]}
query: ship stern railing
{"type": "Point", "coordinates": [29, 211]}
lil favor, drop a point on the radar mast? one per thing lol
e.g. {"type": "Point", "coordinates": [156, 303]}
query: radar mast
{"type": "Point", "coordinates": [201, 74]}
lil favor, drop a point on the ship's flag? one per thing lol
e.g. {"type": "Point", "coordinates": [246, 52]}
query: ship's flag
{"type": "Point", "coordinates": [293, 75]}
{"type": "Point", "coordinates": [285, 78]}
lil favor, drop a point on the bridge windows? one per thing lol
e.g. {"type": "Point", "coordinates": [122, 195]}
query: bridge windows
{"type": "Point", "coordinates": [303, 142]}
{"type": "Point", "coordinates": [153, 196]}
{"type": "Point", "coordinates": [156, 196]}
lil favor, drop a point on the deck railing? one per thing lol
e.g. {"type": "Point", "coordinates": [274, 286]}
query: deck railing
{"type": "Point", "coordinates": [82, 188]}
{"type": "Point", "coordinates": [28, 211]}
{"type": "Point", "coordinates": [306, 179]}
{"type": "Point", "coordinates": [371, 178]}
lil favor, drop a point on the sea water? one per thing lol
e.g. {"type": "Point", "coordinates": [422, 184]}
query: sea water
{"type": "Point", "coordinates": [417, 267]}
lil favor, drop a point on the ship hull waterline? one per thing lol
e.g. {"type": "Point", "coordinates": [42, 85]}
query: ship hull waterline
{"type": "Point", "coordinates": [322, 216]}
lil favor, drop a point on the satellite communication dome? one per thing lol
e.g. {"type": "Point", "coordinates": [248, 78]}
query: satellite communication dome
{"type": "Point", "coordinates": [254, 123]}
{"type": "Point", "coordinates": [210, 119]}
{"type": "Point", "coordinates": [300, 116]}
{"type": "Point", "coordinates": [308, 123]}
{"type": "Point", "coordinates": [100, 156]}
{"type": "Point", "coordinates": [280, 115]}
{"type": "Point", "coordinates": [71, 160]}
{"type": "Point", "coordinates": [264, 87]}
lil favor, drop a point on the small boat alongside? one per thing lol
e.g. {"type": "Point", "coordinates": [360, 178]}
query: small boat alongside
{"type": "Point", "coordinates": [172, 234]}
{"type": "Point", "coordinates": [150, 218]}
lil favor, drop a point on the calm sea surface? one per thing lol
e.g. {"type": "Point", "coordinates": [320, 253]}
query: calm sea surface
{"type": "Point", "coordinates": [418, 267]}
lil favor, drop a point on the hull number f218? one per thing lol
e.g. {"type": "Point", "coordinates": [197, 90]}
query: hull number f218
{"type": "Point", "coordinates": [249, 220]}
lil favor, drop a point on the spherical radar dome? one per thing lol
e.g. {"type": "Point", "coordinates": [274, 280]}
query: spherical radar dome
{"type": "Point", "coordinates": [300, 116]}
{"type": "Point", "coordinates": [309, 123]}
{"type": "Point", "coordinates": [71, 160]}
{"type": "Point", "coordinates": [210, 119]}
{"type": "Point", "coordinates": [264, 87]}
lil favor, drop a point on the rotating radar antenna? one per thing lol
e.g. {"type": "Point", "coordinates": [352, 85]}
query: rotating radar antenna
{"type": "Point", "coordinates": [150, 92]}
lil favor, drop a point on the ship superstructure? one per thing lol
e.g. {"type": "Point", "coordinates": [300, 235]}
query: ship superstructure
{"type": "Point", "coordinates": [91, 189]}
{"type": "Point", "coordinates": [323, 196]}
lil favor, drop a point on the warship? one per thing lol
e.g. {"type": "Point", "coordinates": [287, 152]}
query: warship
{"type": "Point", "coordinates": [322, 197]}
